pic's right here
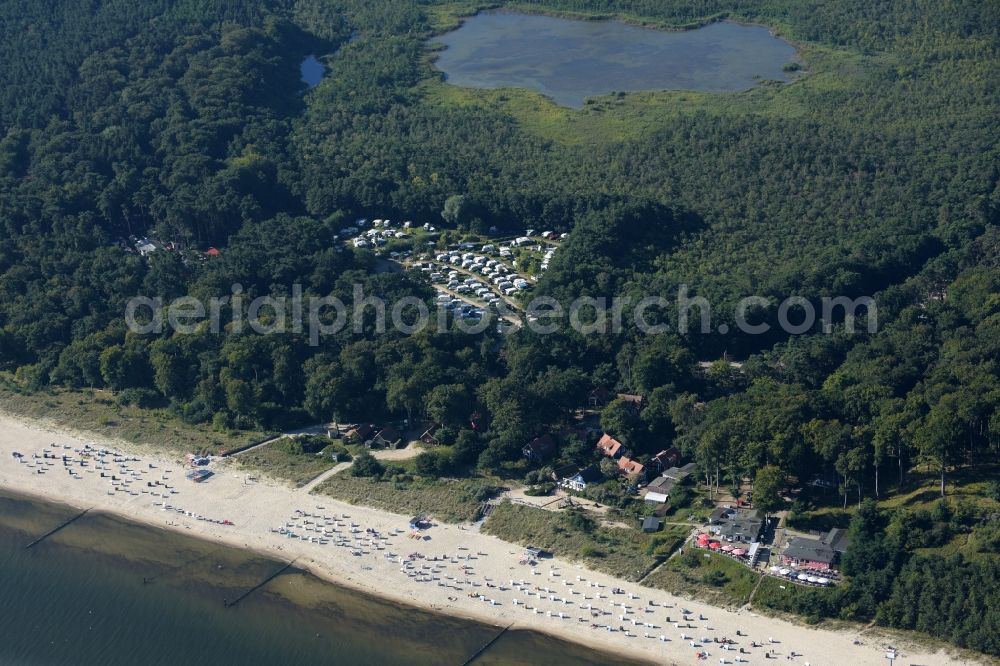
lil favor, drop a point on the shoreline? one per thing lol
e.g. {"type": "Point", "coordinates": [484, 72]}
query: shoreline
{"type": "Point", "coordinates": [257, 509]}
{"type": "Point", "coordinates": [630, 19]}
{"type": "Point", "coordinates": [774, 29]}
{"type": "Point", "coordinates": [322, 575]}
{"type": "Point", "coordinates": [433, 49]}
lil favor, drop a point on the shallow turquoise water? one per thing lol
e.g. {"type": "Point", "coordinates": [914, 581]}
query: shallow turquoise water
{"type": "Point", "coordinates": [570, 60]}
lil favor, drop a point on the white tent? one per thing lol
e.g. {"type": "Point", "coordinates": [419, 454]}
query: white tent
{"type": "Point", "coordinates": [656, 498]}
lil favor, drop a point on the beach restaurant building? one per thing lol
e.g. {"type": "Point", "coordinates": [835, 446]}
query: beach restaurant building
{"type": "Point", "coordinates": [819, 553]}
{"type": "Point", "coordinates": [743, 526]}
{"type": "Point", "coordinates": [809, 553]}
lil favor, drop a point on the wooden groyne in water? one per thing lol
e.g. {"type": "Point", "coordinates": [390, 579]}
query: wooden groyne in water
{"type": "Point", "coordinates": [480, 651]}
{"type": "Point", "coordinates": [179, 567]}
{"type": "Point", "coordinates": [230, 604]}
{"type": "Point", "coordinates": [53, 531]}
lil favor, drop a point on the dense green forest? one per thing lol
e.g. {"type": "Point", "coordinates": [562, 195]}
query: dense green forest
{"type": "Point", "coordinates": [875, 174]}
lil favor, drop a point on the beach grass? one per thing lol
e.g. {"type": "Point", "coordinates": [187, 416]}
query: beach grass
{"type": "Point", "coordinates": [447, 500]}
{"type": "Point", "coordinates": [717, 579]}
{"type": "Point", "coordinates": [784, 597]}
{"type": "Point", "coordinates": [624, 552]}
{"type": "Point", "coordinates": [277, 461]}
{"type": "Point", "coordinates": [97, 412]}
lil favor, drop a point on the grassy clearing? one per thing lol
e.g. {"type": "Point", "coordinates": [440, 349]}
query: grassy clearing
{"type": "Point", "coordinates": [97, 413]}
{"type": "Point", "coordinates": [967, 487]}
{"type": "Point", "coordinates": [448, 500]}
{"type": "Point", "coordinates": [614, 118]}
{"type": "Point", "coordinates": [922, 490]}
{"type": "Point", "coordinates": [623, 552]}
{"type": "Point", "coordinates": [695, 510]}
{"type": "Point", "coordinates": [446, 17]}
{"type": "Point", "coordinates": [668, 540]}
{"type": "Point", "coordinates": [714, 578]}
{"type": "Point", "coordinates": [276, 461]}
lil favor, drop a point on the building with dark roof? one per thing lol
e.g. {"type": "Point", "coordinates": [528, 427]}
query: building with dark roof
{"type": "Point", "coordinates": [659, 489]}
{"type": "Point", "coordinates": [635, 402]}
{"type": "Point", "coordinates": [539, 449]}
{"type": "Point", "coordinates": [743, 526]}
{"type": "Point", "coordinates": [429, 436]}
{"type": "Point", "coordinates": [810, 553]}
{"type": "Point", "coordinates": [665, 459]}
{"type": "Point", "coordinates": [678, 473]}
{"type": "Point", "coordinates": [582, 479]}
{"type": "Point", "coordinates": [360, 433]}
{"type": "Point", "coordinates": [598, 397]}
{"type": "Point", "coordinates": [387, 438]}
{"type": "Point", "coordinates": [719, 515]}
{"type": "Point", "coordinates": [651, 524]}
{"type": "Point", "coordinates": [837, 539]}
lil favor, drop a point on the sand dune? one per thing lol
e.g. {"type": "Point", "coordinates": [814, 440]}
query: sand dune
{"type": "Point", "coordinates": [374, 551]}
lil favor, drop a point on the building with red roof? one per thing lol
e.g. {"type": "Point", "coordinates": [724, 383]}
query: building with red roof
{"type": "Point", "coordinates": [609, 446]}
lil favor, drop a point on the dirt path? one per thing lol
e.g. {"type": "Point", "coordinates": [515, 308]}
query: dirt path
{"type": "Point", "coordinates": [317, 429]}
{"type": "Point", "coordinates": [410, 451]}
{"type": "Point", "coordinates": [315, 483]}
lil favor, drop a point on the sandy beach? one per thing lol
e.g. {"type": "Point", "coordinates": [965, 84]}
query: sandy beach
{"type": "Point", "coordinates": [450, 568]}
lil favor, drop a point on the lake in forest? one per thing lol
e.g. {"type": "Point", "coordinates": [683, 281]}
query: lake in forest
{"type": "Point", "coordinates": [570, 60]}
{"type": "Point", "coordinates": [311, 70]}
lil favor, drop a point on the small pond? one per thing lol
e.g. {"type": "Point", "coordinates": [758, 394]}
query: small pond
{"type": "Point", "coordinates": [570, 60]}
{"type": "Point", "coordinates": [312, 71]}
